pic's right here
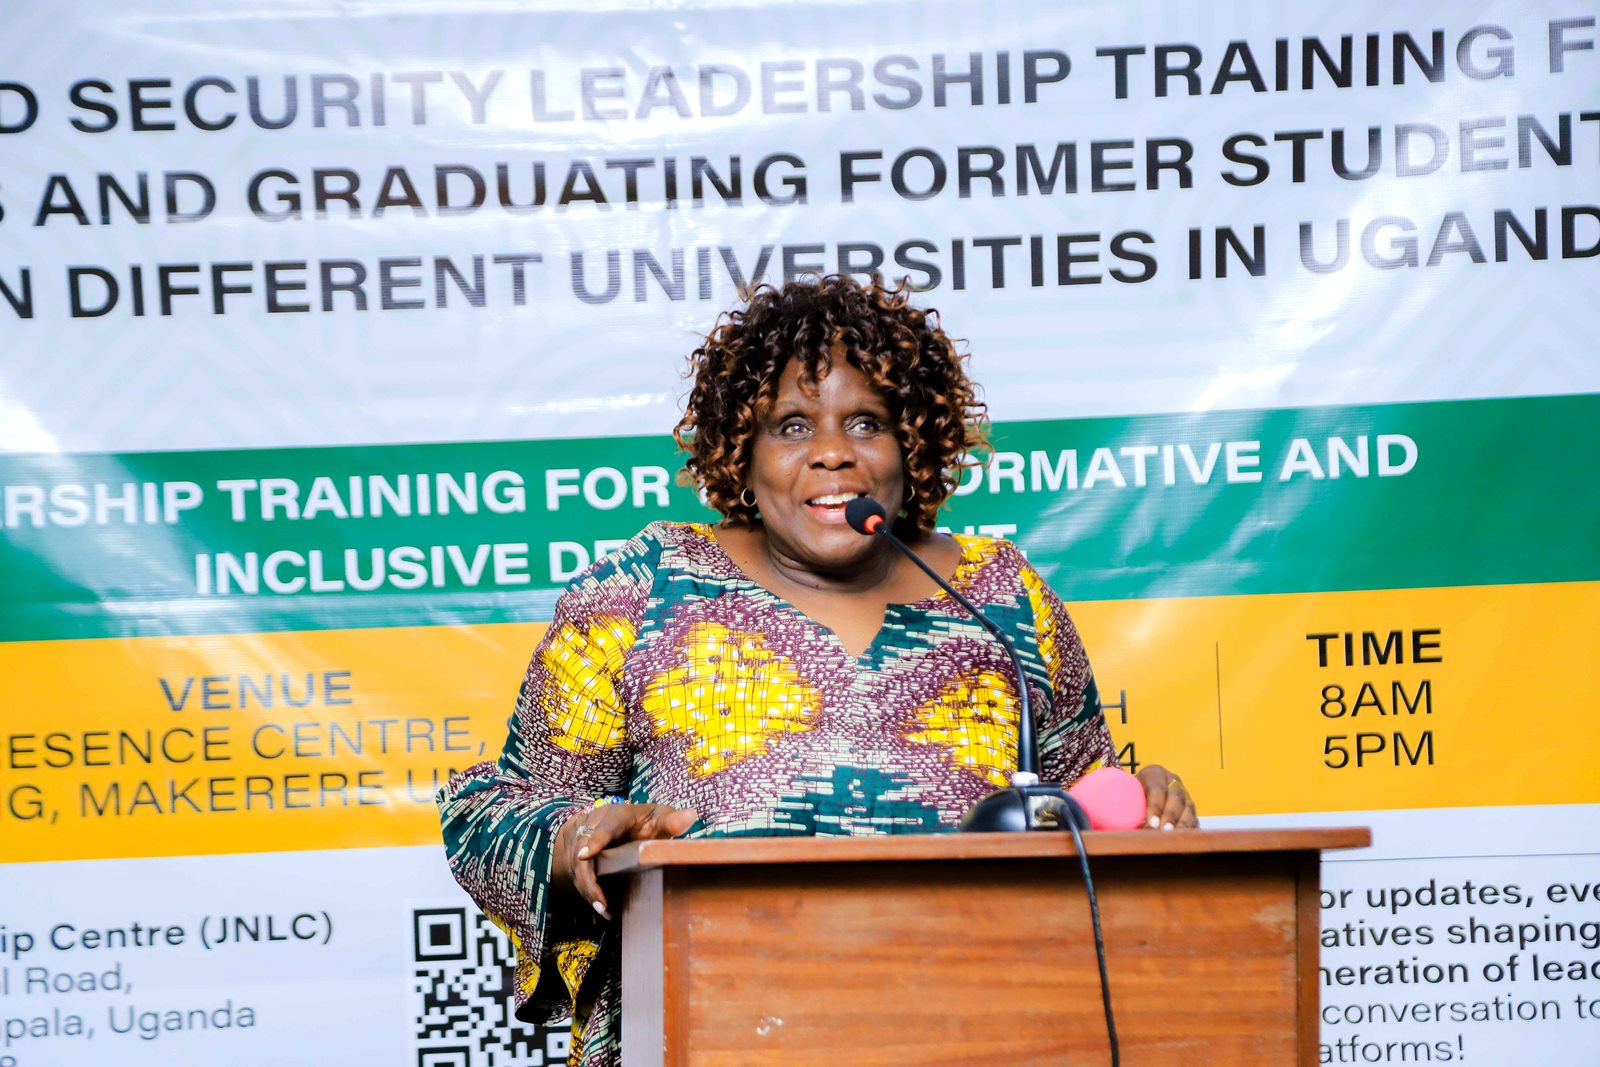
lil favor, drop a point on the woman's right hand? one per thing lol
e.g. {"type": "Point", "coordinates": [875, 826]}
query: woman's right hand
{"type": "Point", "coordinates": [604, 826]}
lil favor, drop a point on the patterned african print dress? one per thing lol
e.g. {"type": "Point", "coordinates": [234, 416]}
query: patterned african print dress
{"type": "Point", "coordinates": [669, 677]}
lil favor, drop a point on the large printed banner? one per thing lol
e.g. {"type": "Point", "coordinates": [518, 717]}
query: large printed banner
{"type": "Point", "coordinates": [335, 340]}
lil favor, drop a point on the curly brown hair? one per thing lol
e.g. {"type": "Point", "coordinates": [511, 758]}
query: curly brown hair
{"type": "Point", "coordinates": [901, 350]}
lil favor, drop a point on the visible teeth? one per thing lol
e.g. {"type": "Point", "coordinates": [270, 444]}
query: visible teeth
{"type": "Point", "coordinates": [835, 498]}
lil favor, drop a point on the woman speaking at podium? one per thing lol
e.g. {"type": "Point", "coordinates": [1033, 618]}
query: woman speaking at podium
{"type": "Point", "coordinates": [777, 673]}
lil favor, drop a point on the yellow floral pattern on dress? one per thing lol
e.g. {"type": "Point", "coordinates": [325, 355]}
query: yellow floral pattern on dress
{"type": "Point", "coordinates": [1044, 620]}
{"type": "Point", "coordinates": [975, 717]}
{"type": "Point", "coordinates": [976, 553]}
{"type": "Point", "coordinates": [583, 662]}
{"type": "Point", "coordinates": [731, 697]}
{"type": "Point", "coordinates": [526, 974]}
{"type": "Point", "coordinates": [572, 962]}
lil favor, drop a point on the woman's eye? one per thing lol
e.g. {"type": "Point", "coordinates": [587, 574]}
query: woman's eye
{"type": "Point", "coordinates": [868, 424]}
{"type": "Point", "coordinates": [792, 427]}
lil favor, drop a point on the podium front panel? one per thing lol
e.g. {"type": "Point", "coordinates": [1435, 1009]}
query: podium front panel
{"type": "Point", "coordinates": [898, 963]}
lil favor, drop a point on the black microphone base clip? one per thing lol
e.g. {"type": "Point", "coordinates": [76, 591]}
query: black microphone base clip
{"type": "Point", "coordinates": [1025, 807]}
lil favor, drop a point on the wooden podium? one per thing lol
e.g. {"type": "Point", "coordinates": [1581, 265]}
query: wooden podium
{"type": "Point", "coordinates": [971, 948]}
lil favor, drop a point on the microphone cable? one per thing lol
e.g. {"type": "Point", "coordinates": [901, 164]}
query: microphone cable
{"type": "Point", "coordinates": [1099, 943]}
{"type": "Point", "coordinates": [866, 516]}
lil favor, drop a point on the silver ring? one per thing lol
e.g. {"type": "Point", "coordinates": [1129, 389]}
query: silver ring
{"type": "Point", "coordinates": [584, 831]}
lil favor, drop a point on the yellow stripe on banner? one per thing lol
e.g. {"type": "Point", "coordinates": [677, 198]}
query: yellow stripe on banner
{"type": "Point", "coordinates": [249, 742]}
{"type": "Point", "coordinates": [338, 739]}
{"type": "Point", "coordinates": [1391, 699]}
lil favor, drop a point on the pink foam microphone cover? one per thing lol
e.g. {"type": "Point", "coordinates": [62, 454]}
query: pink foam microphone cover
{"type": "Point", "coordinates": [1112, 798]}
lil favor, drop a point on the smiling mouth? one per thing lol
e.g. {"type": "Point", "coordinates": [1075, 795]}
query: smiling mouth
{"type": "Point", "coordinates": [833, 500]}
{"type": "Point", "coordinates": [829, 508]}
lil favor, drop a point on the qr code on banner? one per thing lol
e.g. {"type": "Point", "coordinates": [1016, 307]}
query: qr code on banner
{"type": "Point", "coordinates": [461, 1000]}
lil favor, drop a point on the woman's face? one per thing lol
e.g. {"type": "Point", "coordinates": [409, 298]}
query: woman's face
{"type": "Point", "coordinates": [819, 445]}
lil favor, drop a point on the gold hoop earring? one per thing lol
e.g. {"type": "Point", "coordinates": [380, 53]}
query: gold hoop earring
{"type": "Point", "coordinates": [747, 498]}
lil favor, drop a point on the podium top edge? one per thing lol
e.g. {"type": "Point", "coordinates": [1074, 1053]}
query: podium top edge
{"type": "Point", "coordinates": [901, 848]}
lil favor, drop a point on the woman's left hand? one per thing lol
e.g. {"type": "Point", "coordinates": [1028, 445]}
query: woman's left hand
{"type": "Point", "coordinates": [1168, 804]}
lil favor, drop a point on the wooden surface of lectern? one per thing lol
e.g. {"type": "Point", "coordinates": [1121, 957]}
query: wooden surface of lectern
{"type": "Point", "coordinates": [971, 948]}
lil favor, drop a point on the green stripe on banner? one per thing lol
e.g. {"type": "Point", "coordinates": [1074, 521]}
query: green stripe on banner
{"type": "Point", "coordinates": [1387, 496]}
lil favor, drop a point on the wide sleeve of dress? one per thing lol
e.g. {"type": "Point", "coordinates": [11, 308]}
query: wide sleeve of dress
{"type": "Point", "coordinates": [567, 746]}
{"type": "Point", "coordinates": [1073, 736]}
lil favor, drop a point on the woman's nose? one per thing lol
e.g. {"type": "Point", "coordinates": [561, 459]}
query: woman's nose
{"type": "Point", "coordinates": [832, 448]}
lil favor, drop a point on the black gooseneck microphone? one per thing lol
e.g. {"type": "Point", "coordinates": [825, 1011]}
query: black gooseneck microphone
{"type": "Point", "coordinates": [1027, 804]}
